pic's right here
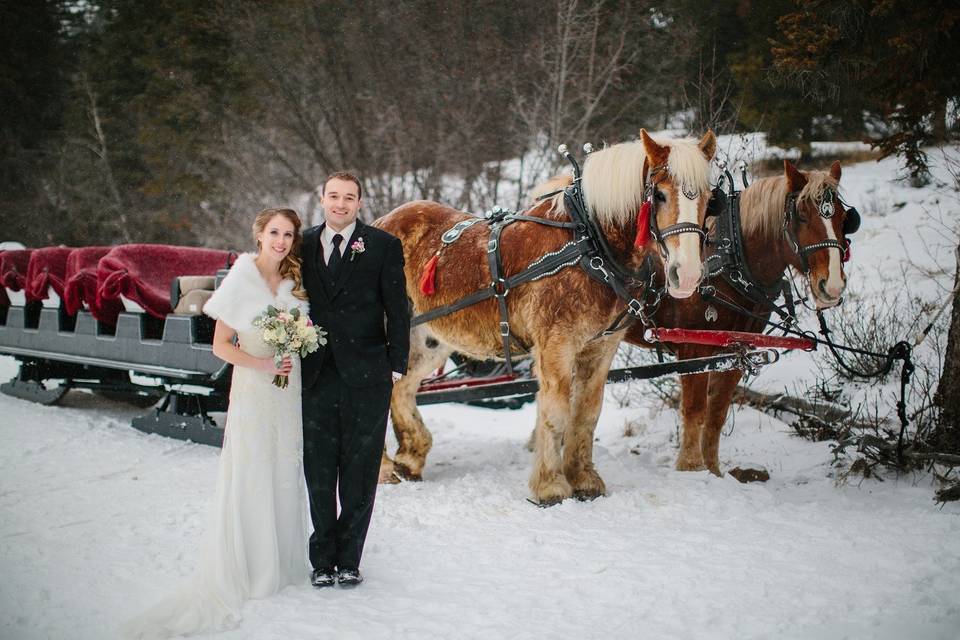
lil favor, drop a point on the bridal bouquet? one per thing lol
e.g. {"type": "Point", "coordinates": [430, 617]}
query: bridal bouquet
{"type": "Point", "coordinates": [288, 332]}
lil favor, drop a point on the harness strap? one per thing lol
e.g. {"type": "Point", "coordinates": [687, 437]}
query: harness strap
{"type": "Point", "coordinates": [500, 288]}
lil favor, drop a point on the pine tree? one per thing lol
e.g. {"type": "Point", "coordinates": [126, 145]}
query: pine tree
{"type": "Point", "coordinates": [898, 56]}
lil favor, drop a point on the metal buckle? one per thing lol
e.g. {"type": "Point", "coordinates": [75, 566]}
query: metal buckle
{"type": "Point", "coordinates": [504, 329]}
{"type": "Point", "coordinates": [596, 263]}
{"type": "Point", "coordinates": [635, 308]}
{"type": "Point", "coordinates": [491, 245]}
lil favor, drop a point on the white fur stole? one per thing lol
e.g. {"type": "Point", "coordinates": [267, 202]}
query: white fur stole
{"type": "Point", "coordinates": [243, 295]}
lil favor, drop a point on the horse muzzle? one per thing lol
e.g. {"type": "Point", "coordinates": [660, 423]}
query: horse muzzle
{"type": "Point", "coordinates": [682, 280]}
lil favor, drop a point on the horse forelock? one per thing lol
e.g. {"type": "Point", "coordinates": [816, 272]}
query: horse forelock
{"type": "Point", "coordinates": [688, 166]}
{"type": "Point", "coordinates": [764, 202]}
{"type": "Point", "coordinates": [614, 178]}
{"type": "Point", "coordinates": [817, 183]}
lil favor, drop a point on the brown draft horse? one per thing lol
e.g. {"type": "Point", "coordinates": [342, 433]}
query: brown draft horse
{"type": "Point", "coordinates": [559, 317]}
{"type": "Point", "coordinates": [705, 397]}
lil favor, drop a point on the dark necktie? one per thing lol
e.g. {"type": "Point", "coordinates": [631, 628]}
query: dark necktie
{"type": "Point", "coordinates": [335, 258]}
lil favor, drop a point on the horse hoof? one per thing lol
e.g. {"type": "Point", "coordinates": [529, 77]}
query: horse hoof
{"type": "Point", "coordinates": [690, 466]}
{"type": "Point", "coordinates": [404, 473]}
{"type": "Point", "coordinates": [389, 477]}
{"type": "Point", "coordinates": [584, 495]}
{"type": "Point", "coordinates": [543, 504]}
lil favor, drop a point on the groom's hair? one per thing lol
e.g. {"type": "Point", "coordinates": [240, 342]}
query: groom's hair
{"type": "Point", "coordinates": [343, 175]}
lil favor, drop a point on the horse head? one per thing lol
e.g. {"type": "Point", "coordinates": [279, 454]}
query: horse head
{"type": "Point", "coordinates": [676, 192]}
{"type": "Point", "coordinates": [816, 225]}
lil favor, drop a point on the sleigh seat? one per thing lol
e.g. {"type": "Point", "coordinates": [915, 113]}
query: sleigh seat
{"type": "Point", "coordinates": [140, 276]}
{"type": "Point", "coordinates": [46, 275]}
{"type": "Point", "coordinates": [80, 283]}
{"type": "Point", "coordinates": [13, 274]}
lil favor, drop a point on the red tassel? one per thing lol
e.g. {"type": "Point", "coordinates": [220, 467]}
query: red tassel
{"type": "Point", "coordinates": [846, 250]}
{"type": "Point", "coordinates": [643, 225]}
{"type": "Point", "coordinates": [428, 279]}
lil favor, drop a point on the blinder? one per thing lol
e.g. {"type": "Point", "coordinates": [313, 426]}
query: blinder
{"type": "Point", "coordinates": [851, 223]}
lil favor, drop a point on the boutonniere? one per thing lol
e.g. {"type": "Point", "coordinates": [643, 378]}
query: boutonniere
{"type": "Point", "coordinates": [357, 247]}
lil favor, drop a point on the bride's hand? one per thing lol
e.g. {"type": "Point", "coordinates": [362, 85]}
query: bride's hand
{"type": "Point", "coordinates": [282, 370]}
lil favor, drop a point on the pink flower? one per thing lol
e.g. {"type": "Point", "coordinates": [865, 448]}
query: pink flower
{"type": "Point", "coordinates": [357, 247]}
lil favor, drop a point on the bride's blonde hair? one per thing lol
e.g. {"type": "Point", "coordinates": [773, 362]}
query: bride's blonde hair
{"type": "Point", "coordinates": [290, 265]}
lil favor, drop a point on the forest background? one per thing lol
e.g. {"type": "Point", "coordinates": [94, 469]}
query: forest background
{"type": "Point", "coordinates": [174, 120]}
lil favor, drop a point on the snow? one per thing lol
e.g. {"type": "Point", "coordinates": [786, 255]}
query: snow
{"type": "Point", "coordinates": [98, 520]}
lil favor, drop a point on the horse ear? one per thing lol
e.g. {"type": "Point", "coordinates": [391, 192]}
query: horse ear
{"type": "Point", "coordinates": [835, 170]}
{"type": "Point", "coordinates": [708, 144]}
{"type": "Point", "coordinates": [658, 153]}
{"type": "Point", "coordinates": [795, 179]}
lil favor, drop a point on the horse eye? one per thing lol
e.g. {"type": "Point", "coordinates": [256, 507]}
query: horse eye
{"type": "Point", "coordinates": [660, 196]}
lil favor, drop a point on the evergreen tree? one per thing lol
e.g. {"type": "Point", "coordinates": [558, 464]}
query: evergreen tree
{"type": "Point", "coordinates": [899, 56]}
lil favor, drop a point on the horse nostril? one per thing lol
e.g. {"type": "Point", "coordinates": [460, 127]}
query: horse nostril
{"type": "Point", "coordinates": [822, 286]}
{"type": "Point", "coordinates": [673, 275]}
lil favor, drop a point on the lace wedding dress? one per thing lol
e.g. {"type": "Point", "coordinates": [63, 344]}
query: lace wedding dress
{"type": "Point", "coordinates": [256, 540]}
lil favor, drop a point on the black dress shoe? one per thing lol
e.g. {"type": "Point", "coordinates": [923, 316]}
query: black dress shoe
{"type": "Point", "coordinates": [349, 577]}
{"type": "Point", "coordinates": [323, 578]}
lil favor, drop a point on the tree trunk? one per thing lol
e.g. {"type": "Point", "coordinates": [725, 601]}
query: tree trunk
{"type": "Point", "coordinates": [947, 399]}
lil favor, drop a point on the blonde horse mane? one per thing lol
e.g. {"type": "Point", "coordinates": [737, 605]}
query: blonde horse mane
{"type": "Point", "coordinates": [613, 178]}
{"type": "Point", "coordinates": [763, 204]}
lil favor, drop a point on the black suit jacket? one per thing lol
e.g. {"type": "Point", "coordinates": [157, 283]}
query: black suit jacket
{"type": "Point", "coordinates": [364, 311]}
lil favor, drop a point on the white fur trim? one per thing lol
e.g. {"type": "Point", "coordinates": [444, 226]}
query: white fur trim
{"type": "Point", "coordinates": [243, 295]}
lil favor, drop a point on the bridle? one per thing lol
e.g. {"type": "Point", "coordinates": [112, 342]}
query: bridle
{"type": "Point", "coordinates": [655, 176]}
{"type": "Point", "coordinates": [826, 210]}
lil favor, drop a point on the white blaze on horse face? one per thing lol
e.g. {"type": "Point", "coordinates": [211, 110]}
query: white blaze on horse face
{"type": "Point", "coordinates": [834, 284]}
{"type": "Point", "coordinates": [686, 258]}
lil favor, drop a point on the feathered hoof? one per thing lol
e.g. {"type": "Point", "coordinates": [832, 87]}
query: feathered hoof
{"type": "Point", "coordinates": [543, 504]}
{"type": "Point", "coordinates": [388, 475]}
{"type": "Point", "coordinates": [405, 473]}
{"type": "Point", "coordinates": [690, 465]}
{"type": "Point", "coordinates": [587, 495]}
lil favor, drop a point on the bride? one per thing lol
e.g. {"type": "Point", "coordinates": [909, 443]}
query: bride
{"type": "Point", "coordinates": [256, 540]}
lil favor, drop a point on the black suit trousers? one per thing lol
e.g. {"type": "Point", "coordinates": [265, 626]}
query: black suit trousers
{"type": "Point", "coordinates": [343, 435]}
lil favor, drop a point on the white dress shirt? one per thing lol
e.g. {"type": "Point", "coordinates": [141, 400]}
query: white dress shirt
{"type": "Point", "coordinates": [326, 240]}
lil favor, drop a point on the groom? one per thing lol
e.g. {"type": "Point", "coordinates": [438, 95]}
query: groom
{"type": "Point", "coordinates": [353, 274]}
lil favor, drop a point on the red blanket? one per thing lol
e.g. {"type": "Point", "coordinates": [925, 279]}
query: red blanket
{"type": "Point", "coordinates": [4, 300]}
{"type": "Point", "coordinates": [13, 268]}
{"type": "Point", "coordinates": [80, 283]}
{"type": "Point", "coordinates": [143, 273]}
{"type": "Point", "coordinates": [46, 270]}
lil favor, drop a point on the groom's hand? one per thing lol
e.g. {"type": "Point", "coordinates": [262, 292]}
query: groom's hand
{"type": "Point", "coordinates": [396, 377]}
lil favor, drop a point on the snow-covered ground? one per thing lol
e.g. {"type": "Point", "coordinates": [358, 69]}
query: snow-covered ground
{"type": "Point", "coordinates": [97, 520]}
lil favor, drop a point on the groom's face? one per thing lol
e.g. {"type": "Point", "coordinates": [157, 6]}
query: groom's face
{"type": "Point", "coordinates": [340, 202]}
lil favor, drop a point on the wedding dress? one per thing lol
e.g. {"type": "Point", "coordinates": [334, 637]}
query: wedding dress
{"type": "Point", "coordinates": [256, 540]}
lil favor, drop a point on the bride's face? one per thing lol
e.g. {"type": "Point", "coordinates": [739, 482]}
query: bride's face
{"type": "Point", "coordinates": [276, 239]}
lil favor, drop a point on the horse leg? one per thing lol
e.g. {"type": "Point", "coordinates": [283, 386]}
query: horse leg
{"type": "Point", "coordinates": [413, 437]}
{"type": "Point", "coordinates": [693, 401]}
{"type": "Point", "coordinates": [719, 396]}
{"type": "Point", "coordinates": [554, 363]}
{"type": "Point", "coordinates": [586, 401]}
